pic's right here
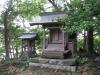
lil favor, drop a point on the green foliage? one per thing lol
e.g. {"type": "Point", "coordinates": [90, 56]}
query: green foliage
{"type": "Point", "coordinates": [82, 60]}
{"type": "Point", "coordinates": [80, 43]}
{"type": "Point", "coordinates": [25, 9]}
{"type": "Point", "coordinates": [39, 32]}
{"type": "Point", "coordinates": [29, 8]}
{"type": "Point", "coordinates": [1, 42]}
{"type": "Point", "coordinates": [80, 14]}
{"type": "Point", "coordinates": [15, 32]}
{"type": "Point", "coordinates": [97, 43]}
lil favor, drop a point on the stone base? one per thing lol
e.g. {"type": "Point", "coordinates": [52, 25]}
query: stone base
{"type": "Point", "coordinates": [58, 67]}
{"type": "Point", "coordinates": [62, 64]}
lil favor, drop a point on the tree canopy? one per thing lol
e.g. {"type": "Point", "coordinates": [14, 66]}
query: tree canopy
{"type": "Point", "coordinates": [13, 8]}
{"type": "Point", "coordinates": [81, 14]}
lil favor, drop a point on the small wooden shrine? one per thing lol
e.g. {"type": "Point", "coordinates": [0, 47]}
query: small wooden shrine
{"type": "Point", "coordinates": [59, 44]}
{"type": "Point", "coordinates": [28, 43]}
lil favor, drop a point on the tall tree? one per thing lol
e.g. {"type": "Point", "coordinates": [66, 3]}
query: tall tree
{"type": "Point", "coordinates": [80, 15]}
{"type": "Point", "coordinates": [14, 8]}
{"type": "Point", "coordinates": [6, 31]}
{"type": "Point", "coordinates": [6, 35]}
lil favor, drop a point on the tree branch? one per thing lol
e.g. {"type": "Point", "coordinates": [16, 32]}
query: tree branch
{"type": "Point", "coordinates": [54, 4]}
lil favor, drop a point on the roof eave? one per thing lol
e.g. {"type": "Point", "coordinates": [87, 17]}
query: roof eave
{"type": "Point", "coordinates": [42, 23]}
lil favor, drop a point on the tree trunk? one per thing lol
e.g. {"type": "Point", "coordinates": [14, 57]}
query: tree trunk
{"type": "Point", "coordinates": [16, 49]}
{"type": "Point", "coordinates": [6, 35]}
{"type": "Point", "coordinates": [85, 40]}
{"type": "Point", "coordinates": [90, 39]}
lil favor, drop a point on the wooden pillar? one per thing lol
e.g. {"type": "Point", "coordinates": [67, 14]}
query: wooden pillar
{"type": "Point", "coordinates": [34, 46]}
{"type": "Point", "coordinates": [75, 44]}
{"type": "Point", "coordinates": [28, 46]}
{"type": "Point", "coordinates": [22, 45]}
{"type": "Point", "coordinates": [43, 37]}
{"type": "Point", "coordinates": [63, 37]}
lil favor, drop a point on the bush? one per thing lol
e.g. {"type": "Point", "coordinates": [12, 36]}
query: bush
{"type": "Point", "coordinates": [97, 43]}
{"type": "Point", "coordinates": [80, 43]}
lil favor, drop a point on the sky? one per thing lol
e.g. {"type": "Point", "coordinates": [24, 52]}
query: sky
{"type": "Point", "coordinates": [2, 4]}
{"type": "Point", "coordinates": [2, 8]}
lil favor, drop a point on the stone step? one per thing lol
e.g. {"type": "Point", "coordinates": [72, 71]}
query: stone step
{"type": "Point", "coordinates": [58, 67]}
{"type": "Point", "coordinates": [54, 53]}
{"type": "Point", "coordinates": [62, 62]}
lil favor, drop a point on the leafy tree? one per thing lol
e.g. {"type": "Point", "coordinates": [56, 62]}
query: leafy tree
{"type": "Point", "coordinates": [82, 15]}
{"type": "Point", "coordinates": [26, 9]}
{"type": "Point", "coordinates": [39, 32]}
{"type": "Point", "coordinates": [39, 38]}
{"type": "Point", "coordinates": [15, 42]}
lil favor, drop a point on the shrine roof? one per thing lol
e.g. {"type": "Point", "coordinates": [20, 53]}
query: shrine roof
{"type": "Point", "coordinates": [47, 18]}
{"type": "Point", "coordinates": [27, 35]}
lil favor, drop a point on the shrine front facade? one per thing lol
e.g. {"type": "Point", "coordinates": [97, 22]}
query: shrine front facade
{"type": "Point", "coordinates": [59, 44]}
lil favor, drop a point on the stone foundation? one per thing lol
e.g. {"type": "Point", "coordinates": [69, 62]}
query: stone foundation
{"type": "Point", "coordinates": [59, 67]}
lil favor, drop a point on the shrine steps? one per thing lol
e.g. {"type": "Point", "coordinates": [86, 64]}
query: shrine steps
{"type": "Point", "coordinates": [61, 64]}
{"type": "Point", "coordinates": [56, 54]}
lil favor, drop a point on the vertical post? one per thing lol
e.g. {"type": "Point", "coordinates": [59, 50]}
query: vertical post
{"type": "Point", "coordinates": [34, 46]}
{"type": "Point", "coordinates": [22, 45]}
{"type": "Point", "coordinates": [43, 38]}
{"type": "Point", "coordinates": [75, 44]}
{"type": "Point", "coordinates": [63, 37]}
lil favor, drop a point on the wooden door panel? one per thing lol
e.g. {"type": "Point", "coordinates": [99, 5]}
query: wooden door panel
{"type": "Point", "coordinates": [56, 36]}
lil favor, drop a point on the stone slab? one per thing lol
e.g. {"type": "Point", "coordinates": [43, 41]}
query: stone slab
{"type": "Point", "coordinates": [67, 68]}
